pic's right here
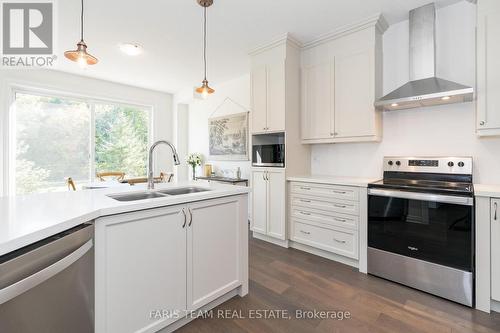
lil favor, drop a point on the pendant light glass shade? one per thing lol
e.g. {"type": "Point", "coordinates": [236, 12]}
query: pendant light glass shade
{"type": "Point", "coordinates": [80, 55]}
{"type": "Point", "coordinates": [205, 89]}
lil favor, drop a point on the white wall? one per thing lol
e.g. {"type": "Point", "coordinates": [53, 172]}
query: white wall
{"type": "Point", "coordinates": [70, 84]}
{"type": "Point", "coordinates": [200, 110]}
{"type": "Point", "coordinates": [442, 130]}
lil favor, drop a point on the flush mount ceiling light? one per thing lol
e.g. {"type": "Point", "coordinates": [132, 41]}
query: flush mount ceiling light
{"type": "Point", "coordinates": [205, 90]}
{"type": "Point", "coordinates": [131, 49]}
{"type": "Point", "coordinates": [80, 55]}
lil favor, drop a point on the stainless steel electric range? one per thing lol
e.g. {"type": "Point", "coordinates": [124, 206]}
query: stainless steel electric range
{"type": "Point", "coordinates": [421, 225]}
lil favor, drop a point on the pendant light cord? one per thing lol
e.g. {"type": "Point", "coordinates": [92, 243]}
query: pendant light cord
{"type": "Point", "coordinates": [81, 21]}
{"type": "Point", "coordinates": [204, 40]}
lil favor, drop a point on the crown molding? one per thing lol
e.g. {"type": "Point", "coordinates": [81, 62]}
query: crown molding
{"type": "Point", "coordinates": [378, 21]}
{"type": "Point", "coordinates": [285, 38]}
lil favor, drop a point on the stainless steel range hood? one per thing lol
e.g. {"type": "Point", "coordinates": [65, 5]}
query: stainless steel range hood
{"type": "Point", "coordinates": [424, 88]}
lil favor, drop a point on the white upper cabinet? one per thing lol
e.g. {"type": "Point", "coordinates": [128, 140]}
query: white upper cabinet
{"type": "Point", "coordinates": [276, 96]}
{"type": "Point", "coordinates": [488, 68]}
{"type": "Point", "coordinates": [268, 97]}
{"type": "Point", "coordinates": [317, 98]}
{"type": "Point", "coordinates": [259, 98]}
{"type": "Point", "coordinates": [341, 79]}
{"type": "Point", "coordinates": [355, 114]}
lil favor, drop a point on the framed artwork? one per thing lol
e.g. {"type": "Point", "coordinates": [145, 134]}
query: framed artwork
{"type": "Point", "coordinates": [228, 137]}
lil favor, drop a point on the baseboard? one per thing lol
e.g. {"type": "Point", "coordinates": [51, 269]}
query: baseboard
{"type": "Point", "coordinates": [324, 254]}
{"type": "Point", "coordinates": [178, 324]}
{"type": "Point", "coordinates": [495, 306]}
{"type": "Point", "coordinates": [275, 241]}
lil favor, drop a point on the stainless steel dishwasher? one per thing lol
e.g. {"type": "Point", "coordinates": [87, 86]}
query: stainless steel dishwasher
{"type": "Point", "coordinates": [49, 286]}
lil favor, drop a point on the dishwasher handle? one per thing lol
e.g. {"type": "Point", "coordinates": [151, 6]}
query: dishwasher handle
{"type": "Point", "coordinates": [43, 275]}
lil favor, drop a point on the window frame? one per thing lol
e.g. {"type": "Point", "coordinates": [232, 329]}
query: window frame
{"type": "Point", "coordinates": [9, 137]}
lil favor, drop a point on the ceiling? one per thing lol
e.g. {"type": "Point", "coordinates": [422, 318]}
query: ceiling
{"type": "Point", "coordinates": [171, 33]}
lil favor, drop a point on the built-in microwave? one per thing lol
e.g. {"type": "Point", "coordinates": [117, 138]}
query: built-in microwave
{"type": "Point", "coordinates": [268, 150]}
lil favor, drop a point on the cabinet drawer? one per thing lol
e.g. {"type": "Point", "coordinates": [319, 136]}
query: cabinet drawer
{"type": "Point", "coordinates": [324, 217]}
{"type": "Point", "coordinates": [343, 242]}
{"type": "Point", "coordinates": [328, 191]}
{"type": "Point", "coordinates": [331, 205]}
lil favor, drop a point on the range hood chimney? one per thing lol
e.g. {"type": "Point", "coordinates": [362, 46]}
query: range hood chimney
{"type": "Point", "coordinates": [424, 88]}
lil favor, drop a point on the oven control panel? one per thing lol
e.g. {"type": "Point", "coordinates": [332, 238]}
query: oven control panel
{"type": "Point", "coordinates": [450, 165]}
{"type": "Point", "coordinates": [423, 163]}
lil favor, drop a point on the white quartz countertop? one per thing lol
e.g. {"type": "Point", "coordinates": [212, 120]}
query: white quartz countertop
{"type": "Point", "coordinates": [484, 190]}
{"type": "Point", "coordinates": [25, 220]}
{"type": "Point", "coordinates": [333, 180]}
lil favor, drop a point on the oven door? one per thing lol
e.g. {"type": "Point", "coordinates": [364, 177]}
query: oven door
{"type": "Point", "coordinates": [430, 227]}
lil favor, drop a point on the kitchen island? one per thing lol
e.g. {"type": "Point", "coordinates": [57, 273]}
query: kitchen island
{"type": "Point", "coordinates": [158, 261]}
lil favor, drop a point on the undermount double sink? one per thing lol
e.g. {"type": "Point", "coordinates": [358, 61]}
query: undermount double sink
{"type": "Point", "coordinates": [157, 194]}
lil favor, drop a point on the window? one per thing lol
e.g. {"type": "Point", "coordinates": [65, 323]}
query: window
{"type": "Point", "coordinates": [59, 137]}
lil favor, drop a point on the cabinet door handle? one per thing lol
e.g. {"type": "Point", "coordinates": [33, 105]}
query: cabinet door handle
{"type": "Point", "coordinates": [267, 175]}
{"type": "Point", "coordinates": [263, 176]}
{"type": "Point", "coordinates": [482, 122]}
{"type": "Point", "coordinates": [339, 241]}
{"type": "Point", "coordinates": [190, 217]}
{"type": "Point", "coordinates": [185, 219]}
{"type": "Point", "coordinates": [496, 207]}
{"type": "Point", "coordinates": [305, 232]}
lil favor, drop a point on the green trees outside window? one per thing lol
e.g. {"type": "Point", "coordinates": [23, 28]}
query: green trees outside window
{"type": "Point", "coordinates": [53, 140]}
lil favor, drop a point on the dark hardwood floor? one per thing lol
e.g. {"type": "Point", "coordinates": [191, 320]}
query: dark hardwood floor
{"type": "Point", "coordinates": [288, 279]}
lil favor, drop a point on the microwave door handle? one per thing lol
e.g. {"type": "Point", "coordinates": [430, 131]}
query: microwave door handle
{"type": "Point", "coordinates": [43, 275]}
{"type": "Point", "coordinates": [451, 199]}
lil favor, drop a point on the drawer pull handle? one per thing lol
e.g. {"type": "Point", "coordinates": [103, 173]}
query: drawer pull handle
{"type": "Point", "coordinates": [305, 232]}
{"type": "Point", "coordinates": [339, 241]}
{"type": "Point", "coordinates": [340, 206]}
{"type": "Point", "coordinates": [302, 200]}
{"type": "Point", "coordinates": [340, 192]}
{"type": "Point", "coordinates": [305, 188]}
{"type": "Point", "coordinates": [305, 213]}
{"type": "Point", "coordinates": [340, 220]}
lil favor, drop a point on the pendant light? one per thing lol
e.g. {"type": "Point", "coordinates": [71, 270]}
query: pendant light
{"type": "Point", "coordinates": [205, 90]}
{"type": "Point", "coordinates": [80, 55]}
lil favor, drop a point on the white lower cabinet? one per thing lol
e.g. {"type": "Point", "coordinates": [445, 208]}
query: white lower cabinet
{"type": "Point", "coordinates": [213, 250]}
{"type": "Point", "coordinates": [337, 240]}
{"type": "Point", "coordinates": [495, 249]}
{"type": "Point", "coordinates": [165, 261]}
{"type": "Point", "coordinates": [259, 201]}
{"type": "Point", "coordinates": [326, 217]}
{"type": "Point", "coordinates": [269, 202]}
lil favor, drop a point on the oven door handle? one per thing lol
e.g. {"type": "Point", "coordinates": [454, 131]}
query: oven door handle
{"type": "Point", "coordinates": [451, 199]}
